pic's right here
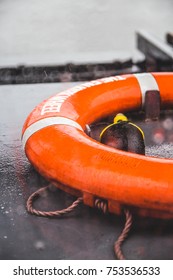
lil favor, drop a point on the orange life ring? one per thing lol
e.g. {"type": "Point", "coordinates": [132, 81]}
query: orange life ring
{"type": "Point", "coordinates": [56, 144]}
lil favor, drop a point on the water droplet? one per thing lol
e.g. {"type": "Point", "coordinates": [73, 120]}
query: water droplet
{"type": "Point", "coordinates": [39, 245]}
{"type": "Point", "coordinates": [168, 124]}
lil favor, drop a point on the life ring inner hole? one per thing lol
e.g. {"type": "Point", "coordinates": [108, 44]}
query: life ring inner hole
{"type": "Point", "coordinates": [158, 133]}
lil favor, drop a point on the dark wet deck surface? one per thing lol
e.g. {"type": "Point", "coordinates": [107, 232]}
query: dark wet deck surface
{"type": "Point", "coordinates": [51, 34]}
{"type": "Point", "coordinates": [85, 234]}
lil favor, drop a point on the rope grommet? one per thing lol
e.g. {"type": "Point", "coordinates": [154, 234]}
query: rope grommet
{"type": "Point", "coordinates": [101, 205]}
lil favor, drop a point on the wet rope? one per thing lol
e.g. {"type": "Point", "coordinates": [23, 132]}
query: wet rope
{"type": "Point", "coordinates": [102, 205]}
{"type": "Point", "coordinates": [123, 235]}
{"type": "Point", "coordinates": [57, 213]}
{"type": "Point", "coordinates": [99, 204]}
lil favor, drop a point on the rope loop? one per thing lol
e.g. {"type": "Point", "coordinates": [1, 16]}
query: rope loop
{"type": "Point", "coordinates": [102, 205]}
{"type": "Point", "coordinates": [57, 213]}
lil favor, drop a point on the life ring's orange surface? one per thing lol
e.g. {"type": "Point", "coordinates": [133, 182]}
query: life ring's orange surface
{"type": "Point", "coordinates": [56, 144]}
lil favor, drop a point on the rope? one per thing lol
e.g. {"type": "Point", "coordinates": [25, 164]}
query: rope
{"type": "Point", "coordinates": [57, 213]}
{"type": "Point", "coordinates": [101, 205]}
{"type": "Point", "coordinates": [123, 235]}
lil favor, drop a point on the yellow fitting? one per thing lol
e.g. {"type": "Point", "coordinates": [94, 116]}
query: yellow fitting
{"type": "Point", "coordinates": [120, 117]}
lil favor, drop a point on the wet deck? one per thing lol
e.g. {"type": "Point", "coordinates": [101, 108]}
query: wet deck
{"type": "Point", "coordinates": [85, 234]}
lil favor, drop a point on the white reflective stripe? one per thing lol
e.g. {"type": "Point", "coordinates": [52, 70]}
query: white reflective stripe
{"type": "Point", "coordinates": [146, 82]}
{"type": "Point", "coordinates": [45, 123]}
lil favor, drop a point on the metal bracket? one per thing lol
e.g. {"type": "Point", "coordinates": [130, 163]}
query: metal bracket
{"type": "Point", "coordinates": [159, 55]}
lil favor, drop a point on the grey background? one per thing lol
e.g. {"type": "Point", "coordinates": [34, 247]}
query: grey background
{"type": "Point", "coordinates": [42, 31]}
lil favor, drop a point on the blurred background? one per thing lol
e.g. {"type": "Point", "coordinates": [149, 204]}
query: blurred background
{"type": "Point", "coordinates": [56, 32]}
{"type": "Point", "coordinates": [46, 47]}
